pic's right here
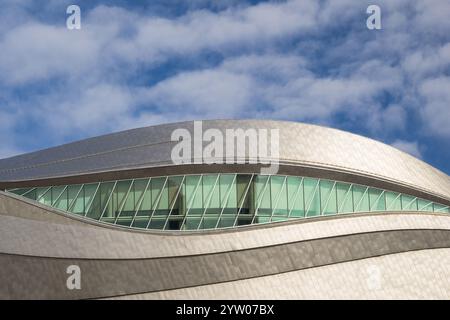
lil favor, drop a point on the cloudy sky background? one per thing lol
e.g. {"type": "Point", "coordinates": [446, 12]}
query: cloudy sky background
{"type": "Point", "coordinates": [308, 60]}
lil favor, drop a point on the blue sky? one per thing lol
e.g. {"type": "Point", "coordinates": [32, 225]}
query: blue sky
{"type": "Point", "coordinates": [136, 63]}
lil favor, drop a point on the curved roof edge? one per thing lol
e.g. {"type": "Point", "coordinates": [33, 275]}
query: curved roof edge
{"type": "Point", "coordinates": [300, 145]}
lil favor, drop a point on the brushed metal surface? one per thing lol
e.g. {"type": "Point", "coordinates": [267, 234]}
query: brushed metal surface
{"type": "Point", "coordinates": [28, 228]}
{"type": "Point", "coordinates": [27, 277]}
{"type": "Point", "coordinates": [300, 145]}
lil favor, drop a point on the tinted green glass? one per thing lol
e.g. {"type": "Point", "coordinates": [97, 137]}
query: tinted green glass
{"type": "Point", "coordinates": [41, 195]}
{"type": "Point", "coordinates": [393, 201]}
{"type": "Point", "coordinates": [228, 193]}
{"type": "Point", "coordinates": [243, 195]}
{"type": "Point", "coordinates": [174, 223]}
{"type": "Point", "coordinates": [409, 203]}
{"type": "Point", "coordinates": [46, 197]}
{"type": "Point", "coordinates": [279, 196]}
{"type": "Point", "coordinates": [145, 209]}
{"type": "Point", "coordinates": [425, 205]}
{"type": "Point", "coordinates": [90, 190]}
{"type": "Point", "coordinates": [192, 223]}
{"type": "Point", "coordinates": [175, 186]}
{"type": "Point", "coordinates": [209, 222]}
{"type": "Point", "coordinates": [295, 197]}
{"type": "Point", "coordinates": [56, 194]}
{"type": "Point", "coordinates": [160, 196]}
{"type": "Point", "coordinates": [360, 198]}
{"type": "Point", "coordinates": [72, 193]}
{"type": "Point", "coordinates": [31, 194]}
{"type": "Point", "coordinates": [193, 194]}
{"type": "Point", "coordinates": [140, 221]}
{"type": "Point", "coordinates": [157, 223]}
{"type": "Point", "coordinates": [328, 197]}
{"type": "Point", "coordinates": [262, 219]}
{"type": "Point", "coordinates": [78, 204]}
{"type": "Point", "coordinates": [123, 194]}
{"type": "Point", "coordinates": [440, 208]}
{"type": "Point", "coordinates": [19, 191]}
{"type": "Point", "coordinates": [278, 219]}
{"type": "Point", "coordinates": [106, 190]}
{"type": "Point", "coordinates": [312, 197]}
{"type": "Point", "coordinates": [264, 202]}
{"type": "Point", "coordinates": [213, 200]}
{"type": "Point", "coordinates": [344, 197]}
{"type": "Point", "coordinates": [377, 200]}
{"type": "Point", "coordinates": [211, 194]}
{"type": "Point", "coordinates": [61, 201]}
{"type": "Point", "coordinates": [138, 189]}
{"type": "Point", "coordinates": [226, 221]}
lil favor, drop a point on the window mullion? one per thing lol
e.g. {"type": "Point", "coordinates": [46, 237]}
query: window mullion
{"type": "Point", "coordinates": [227, 197]}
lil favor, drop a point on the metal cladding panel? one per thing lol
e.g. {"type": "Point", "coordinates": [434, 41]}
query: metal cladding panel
{"type": "Point", "coordinates": [32, 229]}
{"type": "Point", "coordinates": [300, 144]}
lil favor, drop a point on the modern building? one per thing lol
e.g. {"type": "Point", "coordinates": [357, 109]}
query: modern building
{"type": "Point", "coordinates": [343, 216]}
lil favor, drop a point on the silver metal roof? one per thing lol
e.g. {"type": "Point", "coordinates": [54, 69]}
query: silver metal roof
{"type": "Point", "coordinates": [300, 144]}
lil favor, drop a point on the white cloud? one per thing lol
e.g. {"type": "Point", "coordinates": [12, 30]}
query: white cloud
{"type": "Point", "coordinates": [109, 35]}
{"type": "Point", "coordinates": [409, 147]}
{"type": "Point", "coordinates": [436, 108]}
{"type": "Point", "coordinates": [207, 93]}
{"type": "Point", "coordinates": [427, 61]}
{"type": "Point", "coordinates": [300, 60]}
{"type": "Point", "coordinates": [387, 120]}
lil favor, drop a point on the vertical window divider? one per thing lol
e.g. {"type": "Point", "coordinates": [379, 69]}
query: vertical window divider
{"type": "Point", "coordinates": [278, 199]}
{"type": "Point", "coordinates": [393, 201]}
{"type": "Point", "coordinates": [260, 198]}
{"type": "Point", "coordinates": [72, 204]}
{"type": "Point", "coordinates": [191, 201]}
{"type": "Point", "coordinates": [174, 201]}
{"type": "Point", "coordinates": [328, 199]}
{"type": "Point", "coordinates": [312, 198]}
{"type": "Point", "coordinates": [141, 200]}
{"type": "Point", "coordinates": [109, 199]}
{"type": "Point", "coordinates": [176, 196]}
{"type": "Point", "coordinates": [353, 199]}
{"type": "Point", "coordinates": [427, 205]}
{"type": "Point", "coordinates": [92, 200]}
{"type": "Point", "coordinates": [60, 194]}
{"type": "Point", "coordinates": [320, 199]}
{"type": "Point", "coordinates": [208, 202]}
{"type": "Point", "coordinates": [345, 198]}
{"type": "Point", "coordinates": [157, 202]}
{"type": "Point", "coordinates": [243, 199]}
{"type": "Point", "coordinates": [124, 200]}
{"type": "Point", "coordinates": [360, 200]}
{"type": "Point", "coordinates": [227, 197]}
{"type": "Point", "coordinates": [409, 203]}
{"type": "Point", "coordinates": [376, 201]}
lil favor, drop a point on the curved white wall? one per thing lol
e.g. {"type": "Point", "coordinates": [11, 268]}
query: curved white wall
{"type": "Point", "coordinates": [423, 274]}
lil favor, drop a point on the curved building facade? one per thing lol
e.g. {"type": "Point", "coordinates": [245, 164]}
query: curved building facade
{"type": "Point", "coordinates": [342, 216]}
